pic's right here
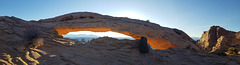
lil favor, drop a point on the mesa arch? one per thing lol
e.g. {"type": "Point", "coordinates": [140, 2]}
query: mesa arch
{"type": "Point", "coordinates": [158, 37]}
{"type": "Point", "coordinates": [151, 41]}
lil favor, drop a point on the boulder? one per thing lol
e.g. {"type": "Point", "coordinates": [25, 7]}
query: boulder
{"type": "Point", "coordinates": [143, 45]}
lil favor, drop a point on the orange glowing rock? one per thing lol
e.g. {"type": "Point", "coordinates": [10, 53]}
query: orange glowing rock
{"type": "Point", "coordinates": [158, 37]}
{"type": "Point", "coordinates": [157, 43]}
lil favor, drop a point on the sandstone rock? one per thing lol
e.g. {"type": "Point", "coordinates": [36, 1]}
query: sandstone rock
{"type": "Point", "coordinates": [8, 59]}
{"type": "Point", "coordinates": [4, 62]}
{"type": "Point", "coordinates": [57, 50]}
{"type": "Point", "coordinates": [158, 37]}
{"type": "Point", "coordinates": [143, 46]}
{"type": "Point", "coordinates": [218, 39]}
{"type": "Point", "coordinates": [32, 60]}
{"type": "Point", "coordinates": [20, 61]}
{"type": "Point", "coordinates": [35, 55]}
{"type": "Point", "coordinates": [107, 51]}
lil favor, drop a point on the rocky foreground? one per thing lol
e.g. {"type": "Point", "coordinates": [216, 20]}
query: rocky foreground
{"type": "Point", "coordinates": [30, 43]}
{"type": "Point", "coordinates": [107, 51]}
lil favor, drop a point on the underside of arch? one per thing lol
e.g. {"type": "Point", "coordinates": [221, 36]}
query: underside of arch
{"type": "Point", "coordinates": [157, 43]}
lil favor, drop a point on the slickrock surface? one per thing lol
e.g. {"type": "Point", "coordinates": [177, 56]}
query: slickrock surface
{"type": "Point", "coordinates": [108, 51]}
{"type": "Point", "coordinates": [219, 39]}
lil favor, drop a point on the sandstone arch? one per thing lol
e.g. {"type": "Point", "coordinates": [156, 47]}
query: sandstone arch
{"type": "Point", "coordinates": [164, 44]}
{"type": "Point", "coordinates": [158, 37]}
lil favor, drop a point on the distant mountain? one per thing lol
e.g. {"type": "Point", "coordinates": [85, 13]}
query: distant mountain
{"type": "Point", "coordinates": [90, 38]}
{"type": "Point", "coordinates": [80, 35]}
{"type": "Point", "coordinates": [195, 38]}
{"type": "Point", "coordinates": [86, 39]}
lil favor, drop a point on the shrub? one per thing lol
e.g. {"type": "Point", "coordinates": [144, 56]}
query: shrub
{"type": "Point", "coordinates": [31, 34]}
{"type": "Point", "coordinates": [143, 46]}
{"type": "Point", "coordinates": [37, 43]}
{"type": "Point", "coordinates": [32, 38]}
{"type": "Point", "coordinates": [232, 51]}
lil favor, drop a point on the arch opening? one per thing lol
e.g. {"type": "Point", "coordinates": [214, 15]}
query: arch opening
{"type": "Point", "coordinates": [86, 36]}
{"type": "Point", "coordinates": [155, 42]}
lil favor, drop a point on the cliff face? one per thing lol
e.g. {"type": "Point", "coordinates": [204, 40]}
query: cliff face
{"type": "Point", "coordinates": [219, 39]}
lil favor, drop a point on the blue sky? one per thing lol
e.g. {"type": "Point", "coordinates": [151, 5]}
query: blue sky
{"type": "Point", "coordinates": [191, 16]}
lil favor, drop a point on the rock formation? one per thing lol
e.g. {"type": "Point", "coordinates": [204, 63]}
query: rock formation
{"type": "Point", "coordinates": [158, 37]}
{"type": "Point", "coordinates": [219, 39]}
{"type": "Point", "coordinates": [56, 50]}
{"type": "Point", "coordinates": [143, 45]}
{"type": "Point", "coordinates": [108, 51]}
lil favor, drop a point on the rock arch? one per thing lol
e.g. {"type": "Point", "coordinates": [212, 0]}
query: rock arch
{"type": "Point", "coordinates": [164, 45]}
{"type": "Point", "coordinates": [158, 37]}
